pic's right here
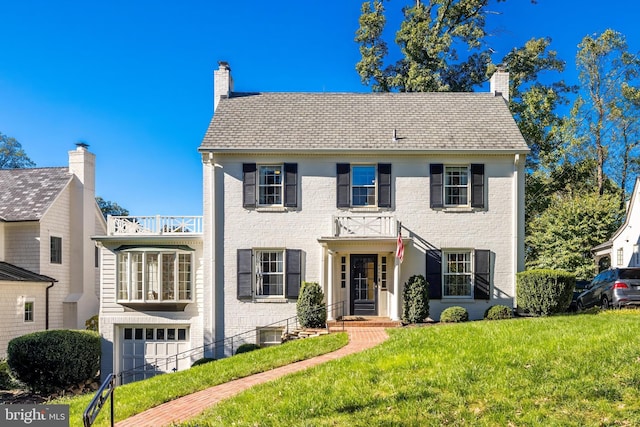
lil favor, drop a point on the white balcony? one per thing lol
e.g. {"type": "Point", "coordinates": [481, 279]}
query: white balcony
{"type": "Point", "coordinates": [153, 225]}
{"type": "Point", "coordinates": [365, 225]}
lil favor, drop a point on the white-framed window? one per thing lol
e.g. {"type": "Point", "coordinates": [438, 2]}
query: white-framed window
{"type": "Point", "coordinates": [620, 256]}
{"type": "Point", "coordinates": [270, 185]}
{"type": "Point", "coordinates": [457, 272]}
{"type": "Point", "coordinates": [155, 276]}
{"type": "Point", "coordinates": [56, 250]}
{"type": "Point", "coordinates": [363, 185]}
{"type": "Point", "coordinates": [270, 268]}
{"type": "Point", "coordinates": [383, 272]}
{"type": "Point", "coordinates": [269, 336]}
{"type": "Point", "coordinates": [29, 311]}
{"type": "Point", "coordinates": [456, 185]}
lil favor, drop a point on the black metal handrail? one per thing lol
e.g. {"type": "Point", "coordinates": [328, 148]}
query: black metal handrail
{"type": "Point", "coordinates": [104, 392]}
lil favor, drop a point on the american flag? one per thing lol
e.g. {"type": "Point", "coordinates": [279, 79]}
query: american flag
{"type": "Point", "coordinates": [400, 248]}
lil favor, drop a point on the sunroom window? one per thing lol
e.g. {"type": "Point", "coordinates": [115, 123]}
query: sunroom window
{"type": "Point", "coordinates": [154, 276]}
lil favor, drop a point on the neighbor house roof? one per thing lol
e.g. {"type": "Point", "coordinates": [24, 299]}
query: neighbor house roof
{"type": "Point", "coordinates": [363, 121]}
{"type": "Point", "coordinates": [27, 193]}
{"type": "Point", "coordinates": [12, 273]}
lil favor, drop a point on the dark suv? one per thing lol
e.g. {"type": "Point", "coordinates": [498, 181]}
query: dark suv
{"type": "Point", "coordinates": [616, 287]}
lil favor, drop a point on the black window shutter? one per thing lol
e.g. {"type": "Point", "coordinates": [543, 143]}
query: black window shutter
{"type": "Point", "coordinates": [482, 279]}
{"type": "Point", "coordinates": [294, 273]}
{"type": "Point", "coordinates": [343, 172]}
{"type": "Point", "coordinates": [434, 273]}
{"type": "Point", "coordinates": [291, 185]}
{"type": "Point", "coordinates": [245, 273]}
{"type": "Point", "coordinates": [436, 172]}
{"type": "Point", "coordinates": [477, 185]}
{"type": "Point", "coordinates": [384, 185]}
{"type": "Point", "coordinates": [249, 185]}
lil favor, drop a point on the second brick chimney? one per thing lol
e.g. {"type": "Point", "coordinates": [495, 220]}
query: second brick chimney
{"type": "Point", "coordinates": [222, 83]}
{"type": "Point", "coordinates": [499, 83]}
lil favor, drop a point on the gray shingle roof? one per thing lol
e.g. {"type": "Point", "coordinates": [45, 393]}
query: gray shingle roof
{"type": "Point", "coordinates": [26, 194]}
{"type": "Point", "coordinates": [14, 273]}
{"type": "Point", "coordinates": [363, 121]}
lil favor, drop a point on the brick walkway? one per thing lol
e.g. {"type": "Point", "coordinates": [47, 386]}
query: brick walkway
{"type": "Point", "coordinates": [189, 406]}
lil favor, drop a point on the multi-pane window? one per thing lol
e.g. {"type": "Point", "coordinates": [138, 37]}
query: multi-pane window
{"type": "Point", "coordinates": [383, 271]}
{"type": "Point", "coordinates": [270, 185]}
{"type": "Point", "coordinates": [620, 256]}
{"type": "Point", "coordinates": [457, 273]}
{"type": "Point", "coordinates": [269, 273]}
{"type": "Point", "coordinates": [343, 272]}
{"type": "Point", "coordinates": [56, 250]}
{"type": "Point", "coordinates": [456, 186]}
{"type": "Point", "coordinates": [28, 311]}
{"type": "Point", "coordinates": [269, 336]}
{"type": "Point", "coordinates": [363, 185]}
{"type": "Point", "coordinates": [154, 276]}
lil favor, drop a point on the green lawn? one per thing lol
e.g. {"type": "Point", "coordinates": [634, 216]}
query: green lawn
{"type": "Point", "coordinates": [134, 398]}
{"type": "Point", "coordinates": [574, 370]}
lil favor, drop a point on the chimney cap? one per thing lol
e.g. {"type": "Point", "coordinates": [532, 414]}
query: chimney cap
{"type": "Point", "coordinates": [82, 144]}
{"type": "Point", "coordinates": [224, 65]}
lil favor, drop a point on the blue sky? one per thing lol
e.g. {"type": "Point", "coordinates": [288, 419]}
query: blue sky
{"type": "Point", "coordinates": [133, 78]}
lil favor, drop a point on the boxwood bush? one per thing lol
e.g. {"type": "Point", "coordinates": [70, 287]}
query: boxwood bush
{"type": "Point", "coordinates": [311, 309]}
{"type": "Point", "coordinates": [415, 307]}
{"type": "Point", "coordinates": [498, 312]}
{"type": "Point", "coordinates": [6, 379]}
{"type": "Point", "coordinates": [544, 292]}
{"type": "Point", "coordinates": [247, 347]}
{"type": "Point", "coordinates": [48, 360]}
{"type": "Point", "coordinates": [454, 314]}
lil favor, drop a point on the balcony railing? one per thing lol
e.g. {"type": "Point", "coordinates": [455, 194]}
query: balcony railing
{"type": "Point", "coordinates": [153, 225]}
{"type": "Point", "coordinates": [365, 225]}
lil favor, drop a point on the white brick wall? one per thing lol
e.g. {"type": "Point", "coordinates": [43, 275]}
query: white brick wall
{"type": "Point", "coordinates": [492, 228]}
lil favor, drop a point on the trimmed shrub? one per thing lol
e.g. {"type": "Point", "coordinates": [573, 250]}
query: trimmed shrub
{"type": "Point", "coordinates": [48, 360]}
{"type": "Point", "coordinates": [6, 380]}
{"type": "Point", "coordinates": [246, 348]}
{"type": "Point", "coordinates": [498, 312]}
{"type": "Point", "coordinates": [455, 314]}
{"type": "Point", "coordinates": [202, 361]}
{"type": "Point", "coordinates": [311, 309]}
{"type": "Point", "coordinates": [415, 305]}
{"type": "Point", "coordinates": [544, 292]}
{"type": "Point", "coordinates": [92, 323]}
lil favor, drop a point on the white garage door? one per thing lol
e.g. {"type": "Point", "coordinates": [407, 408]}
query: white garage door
{"type": "Point", "coordinates": [150, 350]}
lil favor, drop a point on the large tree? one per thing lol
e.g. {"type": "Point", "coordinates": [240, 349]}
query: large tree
{"type": "Point", "coordinates": [12, 156]}
{"type": "Point", "coordinates": [604, 116]}
{"type": "Point", "coordinates": [430, 39]}
{"type": "Point", "coordinates": [111, 208]}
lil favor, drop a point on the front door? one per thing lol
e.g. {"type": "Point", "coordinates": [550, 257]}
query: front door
{"type": "Point", "coordinates": [364, 288]}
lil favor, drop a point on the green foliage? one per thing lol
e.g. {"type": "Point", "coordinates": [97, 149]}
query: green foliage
{"type": "Point", "coordinates": [455, 314]}
{"type": "Point", "coordinates": [311, 308]}
{"type": "Point", "coordinates": [49, 360]}
{"type": "Point", "coordinates": [562, 236]}
{"type": "Point", "coordinates": [247, 347]}
{"type": "Point", "coordinates": [6, 379]}
{"type": "Point", "coordinates": [108, 207]}
{"type": "Point", "coordinates": [12, 156]}
{"type": "Point", "coordinates": [202, 361]}
{"type": "Point", "coordinates": [92, 323]}
{"type": "Point", "coordinates": [545, 292]}
{"type": "Point", "coordinates": [415, 306]}
{"type": "Point", "coordinates": [498, 312]}
{"type": "Point", "coordinates": [429, 38]}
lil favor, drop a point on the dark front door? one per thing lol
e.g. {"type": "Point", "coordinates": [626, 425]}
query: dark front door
{"type": "Point", "coordinates": [364, 289]}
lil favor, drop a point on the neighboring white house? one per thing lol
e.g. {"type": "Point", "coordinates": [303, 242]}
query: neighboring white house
{"type": "Point", "coordinates": [154, 308]}
{"type": "Point", "coordinates": [622, 249]}
{"type": "Point", "coordinates": [49, 276]}
{"type": "Point", "coordinates": [317, 187]}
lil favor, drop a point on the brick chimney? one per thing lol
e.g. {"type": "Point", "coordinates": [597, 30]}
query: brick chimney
{"type": "Point", "coordinates": [499, 83]}
{"type": "Point", "coordinates": [222, 83]}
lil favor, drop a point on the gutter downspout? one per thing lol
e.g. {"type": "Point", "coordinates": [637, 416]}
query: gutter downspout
{"type": "Point", "coordinates": [46, 315]}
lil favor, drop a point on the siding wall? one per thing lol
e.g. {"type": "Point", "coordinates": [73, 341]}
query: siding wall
{"type": "Point", "coordinates": [12, 322]}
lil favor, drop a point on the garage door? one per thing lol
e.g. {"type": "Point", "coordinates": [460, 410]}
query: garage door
{"type": "Point", "coordinates": [147, 351]}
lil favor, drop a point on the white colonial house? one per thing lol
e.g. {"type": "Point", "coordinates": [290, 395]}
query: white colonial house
{"type": "Point", "coordinates": [621, 250]}
{"type": "Point", "coordinates": [317, 187]}
{"type": "Point", "coordinates": [155, 312]}
{"type": "Point", "coordinates": [48, 262]}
